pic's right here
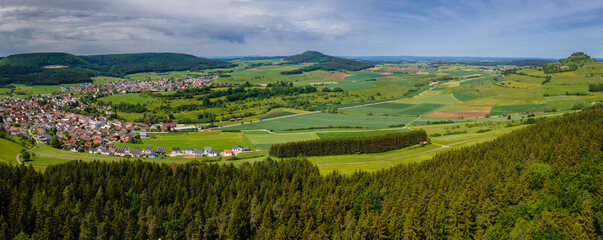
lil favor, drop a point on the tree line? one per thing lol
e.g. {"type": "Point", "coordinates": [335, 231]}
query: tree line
{"type": "Point", "coordinates": [341, 146]}
{"type": "Point", "coordinates": [544, 181]}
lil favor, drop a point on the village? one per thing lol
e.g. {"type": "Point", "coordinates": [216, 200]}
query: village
{"type": "Point", "coordinates": [41, 118]}
{"type": "Point", "coordinates": [130, 86]}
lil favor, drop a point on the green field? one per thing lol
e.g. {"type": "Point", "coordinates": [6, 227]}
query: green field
{"type": "Point", "coordinates": [324, 120]}
{"type": "Point", "coordinates": [397, 108]}
{"type": "Point", "coordinates": [196, 140]}
{"type": "Point", "coordinates": [336, 134]}
{"type": "Point", "coordinates": [263, 140]}
{"type": "Point", "coordinates": [371, 75]}
{"type": "Point", "coordinates": [499, 110]}
{"type": "Point", "coordinates": [9, 152]}
{"type": "Point", "coordinates": [563, 102]}
{"type": "Point", "coordinates": [105, 79]}
{"type": "Point", "coordinates": [433, 97]}
{"type": "Point", "coordinates": [132, 98]}
{"type": "Point", "coordinates": [350, 85]}
{"type": "Point", "coordinates": [281, 114]}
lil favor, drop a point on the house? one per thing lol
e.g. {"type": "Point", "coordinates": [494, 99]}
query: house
{"type": "Point", "coordinates": [74, 148]}
{"type": "Point", "coordinates": [152, 155]}
{"type": "Point", "coordinates": [206, 150]}
{"type": "Point", "coordinates": [143, 135]}
{"type": "Point", "coordinates": [120, 152]}
{"type": "Point", "coordinates": [212, 153]}
{"type": "Point", "coordinates": [136, 153]}
{"type": "Point", "coordinates": [227, 153]}
{"type": "Point", "coordinates": [176, 150]}
{"type": "Point", "coordinates": [237, 148]}
{"type": "Point", "coordinates": [105, 151]}
{"type": "Point", "coordinates": [198, 153]}
{"type": "Point", "coordinates": [127, 148]}
{"type": "Point", "coordinates": [189, 150]}
{"type": "Point", "coordinates": [160, 150]}
{"type": "Point", "coordinates": [94, 151]}
{"type": "Point", "coordinates": [148, 150]}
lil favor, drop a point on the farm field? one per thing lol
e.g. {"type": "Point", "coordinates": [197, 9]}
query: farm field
{"type": "Point", "coordinates": [324, 120]}
{"type": "Point", "coordinates": [509, 109]}
{"type": "Point", "coordinates": [132, 98]}
{"type": "Point", "coordinates": [263, 140]}
{"type": "Point", "coordinates": [397, 108]}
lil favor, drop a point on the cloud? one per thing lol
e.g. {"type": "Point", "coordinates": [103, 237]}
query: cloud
{"type": "Point", "coordinates": [273, 27]}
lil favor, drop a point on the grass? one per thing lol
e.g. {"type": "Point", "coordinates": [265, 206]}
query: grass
{"type": "Point", "coordinates": [397, 108]}
{"type": "Point", "coordinates": [281, 114]}
{"type": "Point", "coordinates": [197, 140]}
{"type": "Point", "coordinates": [433, 97]}
{"type": "Point", "coordinates": [350, 85]}
{"type": "Point", "coordinates": [263, 140]}
{"type": "Point", "coordinates": [132, 98]}
{"type": "Point", "coordinates": [105, 79]}
{"type": "Point", "coordinates": [370, 75]}
{"type": "Point", "coordinates": [459, 108]}
{"type": "Point", "coordinates": [563, 102]}
{"type": "Point", "coordinates": [9, 152]}
{"type": "Point", "coordinates": [499, 110]}
{"type": "Point", "coordinates": [358, 133]}
{"type": "Point", "coordinates": [325, 120]}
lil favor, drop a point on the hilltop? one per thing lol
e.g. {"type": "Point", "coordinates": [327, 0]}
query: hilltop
{"type": "Point", "coordinates": [62, 68]}
{"type": "Point", "coordinates": [324, 62]}
{"type": "Point", "coordinates": [571, 63]}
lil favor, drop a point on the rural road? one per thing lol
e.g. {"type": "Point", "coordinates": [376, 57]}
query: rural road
{"type": "Point", "coordinates": [32, 148]}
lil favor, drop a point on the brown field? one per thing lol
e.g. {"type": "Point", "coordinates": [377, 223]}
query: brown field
{"type": "Point", "coordinates": [338, 75]}
{"type": "Point", "coordinates": [458, 114]}
{"type": "Point", "coordinates": [388, 78]}
{"type": "Point", "coordinates": [253, 69]}
{"type": "Point", "coordinates": [472, 105]}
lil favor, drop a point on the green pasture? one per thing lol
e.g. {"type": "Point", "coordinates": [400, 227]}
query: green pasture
{"type": "Point", "coordinates": [9, 152]}
{"type": "Point", "coordinates": [433, 97]}
{"type": "Point", "coordinates": [360, 133]}
{"type": "Point", "coordinates": [371, 75]}
{"type": "Point", "coordinates": [159, 75]}
{"type": "Point", "coordinates": [350, 85]}
{"type": "Point", "coordinates": [563, 102]}
{"type": "Point", "coordinates": [324, 120]}
{"type": "Point", "coordinates": [132, 98]}
{"type": "Point", "coordinates": [397, 108]}
{"type": "Point", "coordinates": [461, 108]}
{"type": "Point", "coordinates": [481, 81]}
{"type": "Point", "coordinates": [509, 109]}
{"type": "Point", "coordinates": [263, 140]}
{"type": "Point", "coordinates": [498, 95]}
{"type": "Point", "coordinates": [281, 114]}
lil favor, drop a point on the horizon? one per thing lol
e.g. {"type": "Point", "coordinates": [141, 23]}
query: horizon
{"type": "Point", "coordinates": [513, 29]}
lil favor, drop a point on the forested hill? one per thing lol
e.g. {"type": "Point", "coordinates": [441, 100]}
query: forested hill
{"type": "Point", "coordinates": [541, 182]}
{"type": "Point", "coordinates": [571, 63]}
{"type": "Point", "coordinates": [60, 68]}
{"type": "Point", "coordinates": [121, 64]}
{"type": "Point", "coordinates": [325, 62]}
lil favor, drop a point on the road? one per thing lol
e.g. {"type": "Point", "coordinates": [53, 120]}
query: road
{"type": "Point", "coordinates": [32, 148]}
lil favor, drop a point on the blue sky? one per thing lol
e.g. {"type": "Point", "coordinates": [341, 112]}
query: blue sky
{"type": "Point", "coordinates": [534, 28]}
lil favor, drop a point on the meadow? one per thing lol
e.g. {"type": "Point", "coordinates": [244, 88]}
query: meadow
{"type": "Point", "coordinates": [197, 140]}
{"type": "Point", "coordinates": [9, 152]}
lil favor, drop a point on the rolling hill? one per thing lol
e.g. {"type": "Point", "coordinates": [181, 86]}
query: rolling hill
{"type": "Point", "coordinates": [326, 62]}
{"type": "Point", "coordinates": [62, 68]}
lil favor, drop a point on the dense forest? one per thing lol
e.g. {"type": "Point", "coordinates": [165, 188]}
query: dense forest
{"type": "Point", "coordinates": [64, 68]}
{"type": "Point", "coordinates": [541, 182]}
{"type": "Point", "coordinates": [324, 62]}
{"type": "Point", "coordinates": [350, 145]}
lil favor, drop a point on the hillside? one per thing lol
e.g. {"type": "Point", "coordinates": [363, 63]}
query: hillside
{"type": "Point", "coordinates": [63, 68]}
{"type": "Point", "coordinates": [541, 182]}
{"type": "Point", "coordinates": [38, 60]}
{"type": "Point", "coordinates": [571, 63]}
{"type": "Point", "coordinates": [121, 64]}
{"type": "Point", "coordinates": [325, 62]}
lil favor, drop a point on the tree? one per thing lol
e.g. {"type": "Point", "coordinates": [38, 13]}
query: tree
{"type": "Point", "coordinates": [55, 142]}
{"type": "Point", "coordinates": [25, 156]}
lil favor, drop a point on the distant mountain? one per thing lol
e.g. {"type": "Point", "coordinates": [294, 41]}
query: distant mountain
{"type": "Point", "coordinates": [326, 62]}
{"type": "Point", "coordinates": [61, 68]}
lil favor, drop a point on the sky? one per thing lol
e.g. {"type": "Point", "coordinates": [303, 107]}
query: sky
{"type": "Point", "coordinates": [509, 28]}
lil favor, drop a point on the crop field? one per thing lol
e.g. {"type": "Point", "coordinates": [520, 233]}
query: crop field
{"type": "Point", "coordinates": [397, 108]}
{"type": "Point", "coordinates": [9, 152]}
{"type": "Point", "coordinates": [196, 140]}
{"type": "Point", "coordinates": [465, 108]}
{"type": "Point", "coordinates": [263, 140]}
{"type": "Point", "coordinates": [498, 95]}
{"type": "Point", "coordinates": [433, 96]}
{"type": "Point", "coordinates": [275, 114]}
{"type": "Point", "coordinates": [481, 81]}
{"type": "Point", "coordinates": [459, 114]}
{"type": "Point", "coordinates": [325, 120]}
{"type": "Point", "coordinates": [563, 102]}
{"type": "Point", "coordinates": [350, 85]}
{"type": "Point", "coordinates": [500, 109]}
